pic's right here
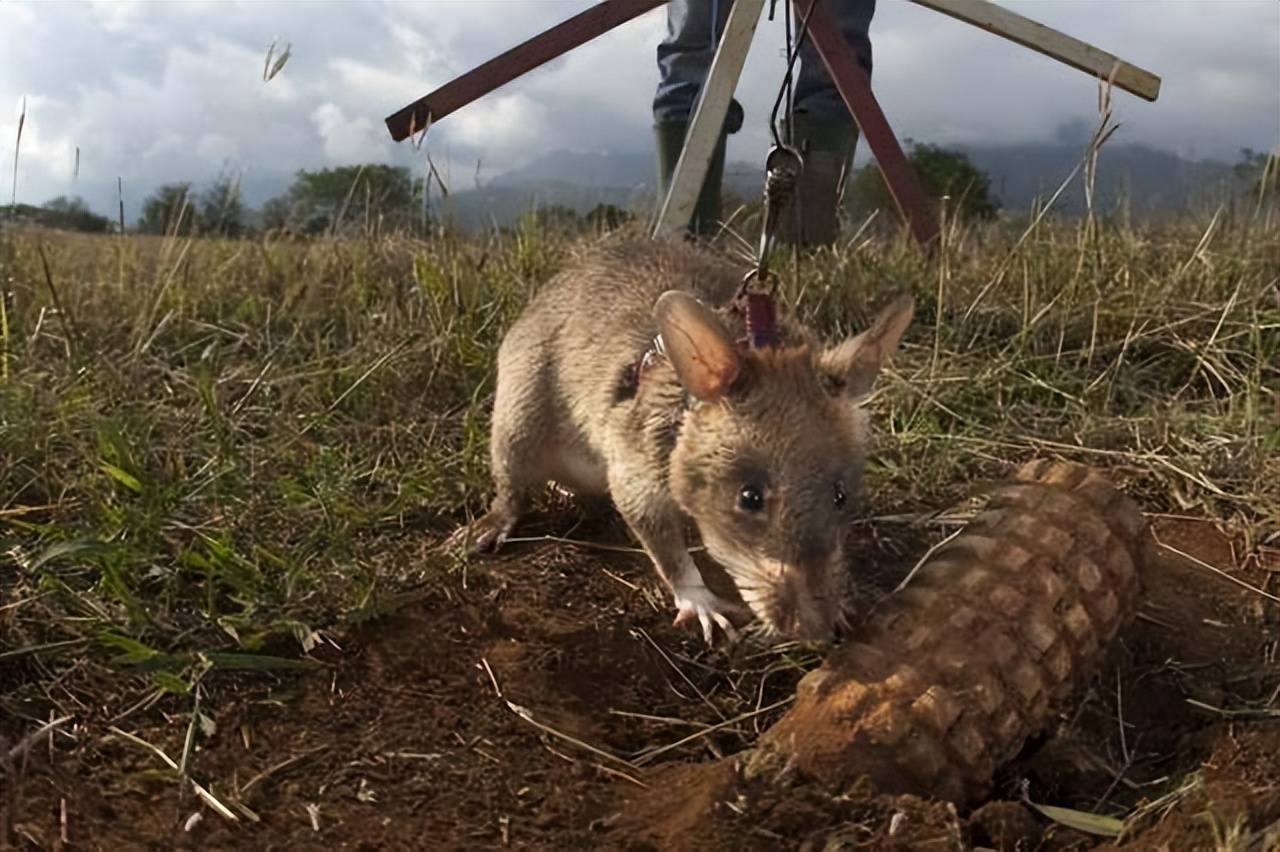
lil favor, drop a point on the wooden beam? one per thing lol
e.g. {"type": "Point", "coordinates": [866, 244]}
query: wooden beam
{"type": "Point", "coordinates": [1052, 43]}
{"type": "Point", "coordinates": [522, 58]}
{"type": "Point", "coordinates": [708, 118]}
{"type": "Point", "coordinates": [855, 89]}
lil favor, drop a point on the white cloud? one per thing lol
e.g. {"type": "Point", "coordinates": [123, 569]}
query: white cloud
{"type": "Point", "coordinates": [347, 139]}
{"type": "Point", "coordinates": [157, 92]}
{"type": "Point", "coordinates": [217, 148]}
{"type": "Point", "coordinates": [170, 144]}
{"type": "Point", "coordinates": [126, 16]}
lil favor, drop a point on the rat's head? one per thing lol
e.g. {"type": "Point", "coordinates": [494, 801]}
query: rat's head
{"type": "Point", "coordinates": [769, 461]}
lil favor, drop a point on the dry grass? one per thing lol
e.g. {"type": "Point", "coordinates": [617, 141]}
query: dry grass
{"type": "Point", "coordinates": [213, 453]}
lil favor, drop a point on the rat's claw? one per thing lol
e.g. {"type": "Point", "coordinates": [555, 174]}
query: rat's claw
{"type": "Point", "coordinates": [844, 620]}
{"type": "Point", "coordinates": [486, 535]}
{"type": "Point", "coordinates": [701, 603]}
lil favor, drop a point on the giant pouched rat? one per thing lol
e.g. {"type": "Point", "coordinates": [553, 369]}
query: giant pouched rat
{"type": "Point", "coordinates": [762, 447]}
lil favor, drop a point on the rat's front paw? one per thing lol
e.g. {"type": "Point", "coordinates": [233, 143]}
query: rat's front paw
{"type": "Point", "coordinates": [697, 601]}
{"type": "Point", "coordinates": [483, 536]}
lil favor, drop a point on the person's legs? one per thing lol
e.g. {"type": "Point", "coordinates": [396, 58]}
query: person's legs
{"type": "Point", "coordinates": [824, 125]}
{"type": "Point", "coordinates": [816, 92]}
{"type": "Point", "coordinates": [694, 28]}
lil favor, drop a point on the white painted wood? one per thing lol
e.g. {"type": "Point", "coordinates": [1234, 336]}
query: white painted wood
{"type": "Point", "coordinates": [1052, 43]}
{"type": "Point", "coordinates": [708, 117]}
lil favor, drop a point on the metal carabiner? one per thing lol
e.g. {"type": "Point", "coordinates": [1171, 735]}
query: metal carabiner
{"type": "Point", "coordinates": [782, 168]}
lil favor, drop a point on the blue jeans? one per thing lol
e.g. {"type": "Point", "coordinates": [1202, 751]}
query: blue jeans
{"type": "Point", "coordinates": [684, 58]}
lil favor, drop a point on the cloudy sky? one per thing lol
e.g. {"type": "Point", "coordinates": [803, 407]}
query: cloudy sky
{"type": "Point", "coordinates": [163, 91]}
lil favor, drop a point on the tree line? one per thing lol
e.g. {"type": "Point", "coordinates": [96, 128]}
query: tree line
{"type": "Point", "coordinates": [341, 199]}
{"type": "Point", "coordinates": [319, 201]}
{"type": "Point", "coordinates": [382, 198]}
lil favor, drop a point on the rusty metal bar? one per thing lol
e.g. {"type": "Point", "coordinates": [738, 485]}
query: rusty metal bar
{"type": "Point", "coordinates": [855, 89]}
{"type": "Point", "coordinates": [521, 59]}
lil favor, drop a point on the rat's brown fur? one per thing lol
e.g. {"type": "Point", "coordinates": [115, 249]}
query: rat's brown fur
{"type": "Point", "coordinates": [785, 420]}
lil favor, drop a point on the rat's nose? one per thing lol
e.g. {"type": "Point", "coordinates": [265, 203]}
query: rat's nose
{"type": "Point", "coordinates": [808, 615]}
{"type": "Point", "coordinates": [803, 631]}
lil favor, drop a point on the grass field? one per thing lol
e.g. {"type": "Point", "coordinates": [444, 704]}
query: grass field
{"type": "Point", "coordinates": [220, 461]}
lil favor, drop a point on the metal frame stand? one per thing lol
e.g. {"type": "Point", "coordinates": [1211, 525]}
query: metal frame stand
{"type": "Point", "coordinates": [713, 104]}
{"type": "Point", "coordinates": [854, 87]}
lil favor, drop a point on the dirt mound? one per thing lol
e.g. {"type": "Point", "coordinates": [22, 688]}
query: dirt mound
{"type": "Point", "coordinates": [542, 700]}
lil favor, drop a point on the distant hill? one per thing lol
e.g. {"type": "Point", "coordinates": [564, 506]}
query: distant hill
{"type": "Point", "coordinates": [501, 205]}
{"type": "Point", "coordinates": [586, 169]}
{"type": "Point", "coordinates": [1152, 181]}
{"type": "Point", "coordinates": [578, 180]}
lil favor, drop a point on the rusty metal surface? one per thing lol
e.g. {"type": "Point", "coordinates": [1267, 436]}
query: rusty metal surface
{"type": "Point", "coordinates": [521, 59]}
{"type": "Point", "coordinates": [855, 89]}
{"type": "Point", "coordinates": [991, 638]}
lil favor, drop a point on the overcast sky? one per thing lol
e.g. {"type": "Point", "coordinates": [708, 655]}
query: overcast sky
{"type": "Point", "coordinates": [156, 92]}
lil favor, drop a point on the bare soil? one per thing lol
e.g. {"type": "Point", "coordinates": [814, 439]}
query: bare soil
{"type": "Point", "coordinates": [517, 704]}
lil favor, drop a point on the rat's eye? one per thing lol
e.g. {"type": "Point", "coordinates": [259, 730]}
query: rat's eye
{"type": "Point", "coordinates": [839, 498]}
{"type": "Point", "coordinates": [751, 498]}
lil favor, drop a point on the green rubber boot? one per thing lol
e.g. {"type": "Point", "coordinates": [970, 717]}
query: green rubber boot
{"type": "Point", "coordinates": [706, 211]}
{"type": "Point", "coordinates": [828, 157]}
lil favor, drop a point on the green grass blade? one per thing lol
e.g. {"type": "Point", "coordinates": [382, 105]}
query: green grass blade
{"type": "Point", "coordinates": [1102, 826]}
{"type": "Point", "coordinates": [233, 661]}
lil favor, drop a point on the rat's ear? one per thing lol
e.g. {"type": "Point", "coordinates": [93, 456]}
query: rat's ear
{"type": "Point", "coordinates": [854, 364]}
{"type": "Point", "coordinates": [703, 355]}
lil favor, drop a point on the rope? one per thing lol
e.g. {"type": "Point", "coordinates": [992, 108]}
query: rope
{"type": "Point", "coordinates": [785, 90]}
